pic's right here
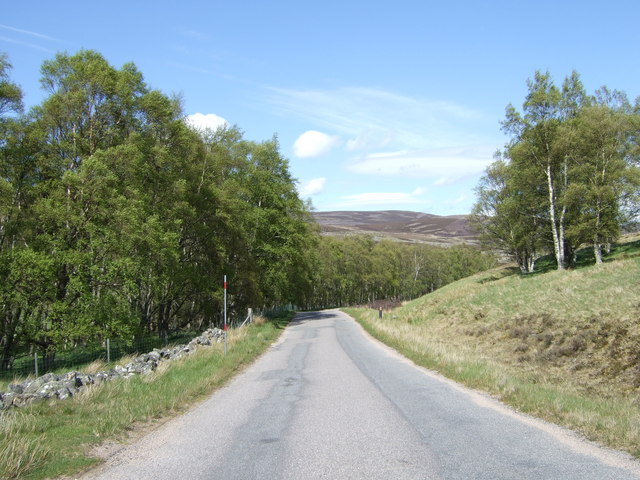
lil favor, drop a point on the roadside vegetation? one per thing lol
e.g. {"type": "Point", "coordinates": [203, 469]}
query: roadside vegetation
{"type": "Point", "coordinates": [56, 438]}
{"type": "Point", "coordinates": [560, 345]}
{"type": "Point", "coordinates": [357, 270]}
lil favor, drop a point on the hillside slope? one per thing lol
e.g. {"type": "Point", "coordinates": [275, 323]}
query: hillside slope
{"type": "Point", "coordinates": [400, 225]}
{"type": "Point", "coordinates": [561, 345]}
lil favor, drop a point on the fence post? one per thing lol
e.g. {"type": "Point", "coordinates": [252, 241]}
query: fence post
{"type": "Point", "coordinates": [108, 351]}
{"type": "Point", "coordinates": [248, 319]}
{"type": "Point", "coordinates": [35, 358]}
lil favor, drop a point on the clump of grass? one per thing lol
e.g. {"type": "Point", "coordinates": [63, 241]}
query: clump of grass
{"type": "Point", "coordinates": [51, 439]}
{"type": "Point", "coordinates": [22, 448]}
{"type": "Point", "coordinates": [126, 359]}
{"type": "Point", "coordinates": [259, 320]}
{"type": "Point", "coordinates": [95, 367]}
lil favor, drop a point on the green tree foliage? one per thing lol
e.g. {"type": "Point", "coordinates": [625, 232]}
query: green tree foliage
{"type": "Point", "coordinates": [10, 93]}
{"type": "Point", "coordinates": [507, 216]}
{"type": "Point", "coordinates": [116, 218]}
{"type": "Point", "coordinates": [568, 176]}
{"type": "Point", "coordinates": [601, 147]}
{"type": "Point", "coordinates": [358, 270]}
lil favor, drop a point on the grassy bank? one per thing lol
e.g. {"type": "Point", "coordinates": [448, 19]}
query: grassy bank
{"type": "Point", "coordinates": [53, 439]}
{"type": "Point", "coordinates": [563, 346]}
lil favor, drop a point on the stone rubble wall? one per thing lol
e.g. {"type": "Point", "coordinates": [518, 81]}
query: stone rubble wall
{"type": "Point", "coordinates": [67, 385]}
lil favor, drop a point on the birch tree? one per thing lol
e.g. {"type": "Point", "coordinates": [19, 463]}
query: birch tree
{"type": "Point", "coordinates": [568, 175]}
{"type": "Point", "coordinates": [507, 215]}
{"type": "Point", "coordinates": [599, 139]}
{"type": "Point", "coordinates": [534, 147]}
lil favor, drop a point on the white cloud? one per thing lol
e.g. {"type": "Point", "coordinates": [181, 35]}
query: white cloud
{"type": "Point", "coordinates": [312, 187]}
{"type": "Point", "coordinates": [446, 164]}
{"type": "Point", "coordinates": [203, 121]}
{"type": "Point", "coordinates": [313, 144]}
{"type": "Point", "coordinates": [382, 198]}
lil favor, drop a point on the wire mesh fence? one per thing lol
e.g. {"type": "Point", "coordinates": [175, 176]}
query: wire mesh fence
{"type": "Point", "coordinates": [110, 350]}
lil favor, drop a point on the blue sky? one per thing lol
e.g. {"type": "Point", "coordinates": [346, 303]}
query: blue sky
{"type": "Point", "coordinates": [377, 105]}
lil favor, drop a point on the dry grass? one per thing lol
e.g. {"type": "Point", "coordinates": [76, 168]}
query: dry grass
{"type": "Point", "coordinates": [95, 367]}
{"type": "Point", "coordinates": [259, 320]}
{"type": "Point", "coordinates": [20, 453]}
{"type": "Point", "coordinates": [127, 359]}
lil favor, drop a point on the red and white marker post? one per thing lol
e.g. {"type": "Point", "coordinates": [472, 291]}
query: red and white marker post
{"type": "Point", "coordinates": [225, 314]}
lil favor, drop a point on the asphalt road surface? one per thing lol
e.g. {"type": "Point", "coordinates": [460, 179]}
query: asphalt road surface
{"type": "Point", "coordinates": [327, 401]}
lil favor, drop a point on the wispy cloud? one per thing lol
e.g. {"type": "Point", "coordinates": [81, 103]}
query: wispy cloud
{"type": "Point", "coordinates": [457, 201]}
{"type": "Point", "coordinates": [26, 44]}
{"type": "Point", "coordinates": [382, 198]}
{"type": "Point", "coordinates": [389, 134]}
{"type": "Point", "coordinates": [446, 165]}
{"type": "Point", "coordinates": [18, 36]}
{"type": "Point", "coordinates": [373, 118]}
{"type": "Point", "coordinates": [30, 33]}
{"type": "Point", "coordinates": [183, 66]}
{"type": "Point", "coordinates": [194, 34]}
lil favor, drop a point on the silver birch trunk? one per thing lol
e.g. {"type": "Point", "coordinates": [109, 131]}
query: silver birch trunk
{"type": "Point", "coordinates": [558, 246]}
{"type": "Point", "coordinates": [597, 250]}
{"type": "Point", "coordinates": [597, 246]}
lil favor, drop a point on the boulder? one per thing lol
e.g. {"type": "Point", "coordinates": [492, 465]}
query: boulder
{"type": "Point", "coordinates": [16, 388]}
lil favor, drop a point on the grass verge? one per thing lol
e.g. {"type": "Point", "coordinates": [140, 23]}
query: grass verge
{"type": "Point", "coordinates": [54, 439]}
{"type": "Point", "coordinates": [562, 346]}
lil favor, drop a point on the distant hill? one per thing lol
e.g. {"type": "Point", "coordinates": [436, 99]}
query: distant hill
{"type": "Point", "coordinates": [399, 225]}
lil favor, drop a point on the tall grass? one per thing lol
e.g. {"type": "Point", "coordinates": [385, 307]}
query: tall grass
{"type": "Point", "coordinates": [564, 346]}
{"type": "Point", "coordinates": [53, 439]}
{"type": "Point", "coordinates": [26, 451]}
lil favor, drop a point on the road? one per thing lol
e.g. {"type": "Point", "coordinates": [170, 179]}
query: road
{"type": "Point", "coordinates": [327, 401]}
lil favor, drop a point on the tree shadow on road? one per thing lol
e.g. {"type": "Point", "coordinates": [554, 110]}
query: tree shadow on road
{"type": "Point", "coordinates": [303, 317]}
